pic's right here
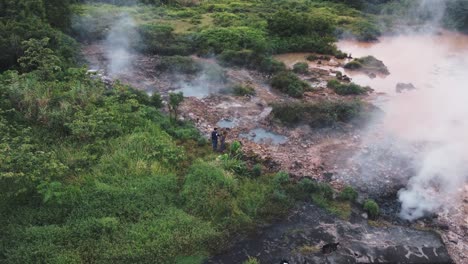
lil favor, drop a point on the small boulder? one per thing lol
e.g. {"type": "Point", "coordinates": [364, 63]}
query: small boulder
{"type": "Point", "coordinates": [404, 86]}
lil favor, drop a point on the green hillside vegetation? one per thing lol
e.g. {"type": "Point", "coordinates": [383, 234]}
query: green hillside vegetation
{"type": "Point", "coordinates": [98, 173]}
{"type": "Point", "coordinates": [95, 174]}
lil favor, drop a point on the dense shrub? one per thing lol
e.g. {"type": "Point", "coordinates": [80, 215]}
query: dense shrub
{"type": "Point", "coordinates": [456, 15]}
{"type": "Point", "coordinates": [243, 90]}
{"type": "Point", "coordinates": [252, 60]}
{"type": "Point", "coordinates": [257, 170]}
{"type": "Point", "coordinates": [160, 39]}
{"type": "Point", "coordinates": [372, 208]}
{"type": "Point", "coordinates": [286, 24]}
{"type": "Point", "coordinates": [353, 65]}
{"type": "Point", "coordinates": [320, 114]}
{"type": "Point", "coordinates": [217, 40]}
{"type": "Point", "coordinates": [349, 194]}
{"type": "Point", "coordinates": [368, 63]}
{"type": "Point", "coordinates": [207, 191]}
{"type": "Point", "coordinates": [346, 88]}
{"type": "Point", "coordinates": [288, 83]}
{"type": "Point", "coordinates": [301, 67]}
{"type": "Point", "coordinates": [312, 43]}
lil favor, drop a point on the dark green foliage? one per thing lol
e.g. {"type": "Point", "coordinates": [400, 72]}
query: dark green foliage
{"type": "Point", "coordinates": [313, 43]}
{"type": "Point", "coordinates": [243, 90]}
{"type": "Point", "coordinates": [372, 208]}
{"type": "Point", "coordinates": [252, 60]}
{"type": "Point", "coordinates": [37, 57]}
{"type": "Point", "coordinates": [156, 100]}
{"type": "Point", "coordinates": [366, 31]}
{"type": "Point", "coordinates": [320, 114]}
{"type": "Point", "coordinates": [207, 191]}
{"type": "Point", "coordinates": [217, 40]}
{"type": "Point", "coordinates": [288, 83]}
{"type": "Point", "coordinates": [13, 33]}
{"type": "Point", "coordinates": [340, 55]}
{"type": "Point", "coordinates": [175, 99]}
{"type": "Point", "coordinates": [257, 170]}
{"type": "Point", "coordinates": [160, 39]}
{"type": "Point", "coordinates": [286, 24]}
{"type": "Point", "coordinates": [312, 57]}
{"type": "Point", "coordinates": [348, 194]}
{"type": "Point", "coordinates": [301, 67]}
{"type": "Point", "coordinates": [456, 15]}
{"type": "Point", "coordinates": [369, 64]}
{"type": "Point", "coordinates": [179, 64]}
{"type": "Point", "coordinates": [95, 174]}
{"type": "Point", "coordinates": [346, 88]}
{"type": "Point", "coordinates": [301, 32]}
{"type": "Point", "coordinates": [353, 65]}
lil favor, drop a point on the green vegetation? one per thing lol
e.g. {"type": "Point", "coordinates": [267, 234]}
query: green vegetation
{"type": "Point", "coordinates": [301, 67]}
{"type": "Point", "coordinates": [288, 83]}
{"type": "Point", "coordinates": [252, 261]}
{"type": "Point", "coordinates": [456, 15]}
{"type": "Point", "coordinates": [243, 90]}
{"type": "Point", "coordinates": [348, 194]}
{"type": "Point", "coordinates": [96, 173]}
{"type": "Point", "coordinates": [324, 197]}
{"type": "Point", "coordinates": [319, 114]}
{"type": "Point", "coordinates": [372, 208]}
{"type": "Point", "coordinates": [369, 64]}
{"type": "Point", "coordinates": [347, 88]}
{"type": "Point", "coordinates": [251, 60]}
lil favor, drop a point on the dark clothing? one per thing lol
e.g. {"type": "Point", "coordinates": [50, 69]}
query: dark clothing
{"type": "Point", "coordinates": [215, 144]}
{"type": "Point", "coordinates": [214, 140]}
{"type": "Point", "coordinates": [214, 135]}
{"type": "Point", "coordinates": [223, 143]}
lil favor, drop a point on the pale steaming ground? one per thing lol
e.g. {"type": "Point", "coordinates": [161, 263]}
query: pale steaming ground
{"type": "Point", "coordinates": [432, 119]}
{"type": "Point", "coordinates": [118, 49]}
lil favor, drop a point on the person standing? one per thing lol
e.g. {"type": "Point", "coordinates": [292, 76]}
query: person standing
{"type": "Point", "coordinates": [214, 139]}
{"type": "Point", "coordinates": [223, 141]}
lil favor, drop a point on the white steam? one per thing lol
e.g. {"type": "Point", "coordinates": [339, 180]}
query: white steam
{"type": "Point", "coordinates": [118, 45]}
{"type": "Point", "coordinates": [433, 119]}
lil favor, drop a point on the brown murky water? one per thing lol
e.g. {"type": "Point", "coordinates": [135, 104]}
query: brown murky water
{"type": "Point", "coordinates": [437, 65]}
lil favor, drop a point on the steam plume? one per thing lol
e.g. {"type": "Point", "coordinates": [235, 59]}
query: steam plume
{"type": "Point", "coordinates": [118, 45]}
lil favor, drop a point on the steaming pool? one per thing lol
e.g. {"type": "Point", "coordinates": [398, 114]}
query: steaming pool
{"type": "Point", "coordinates": [260, 135]}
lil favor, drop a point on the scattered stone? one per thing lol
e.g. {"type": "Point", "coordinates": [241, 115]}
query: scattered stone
{"type": "Point", "coordinates": [400, 87]}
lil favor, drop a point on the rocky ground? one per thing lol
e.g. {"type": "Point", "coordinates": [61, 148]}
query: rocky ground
{"type": "Point", "coordinates": [335, 155]}
{"type": "Point", "coordinates": [301, 238]}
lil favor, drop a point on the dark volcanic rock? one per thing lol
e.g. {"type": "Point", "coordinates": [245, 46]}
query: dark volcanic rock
{"type": "Point", "coordinates": [300, 238]}
{"type": "Point", "coordinates": [400, 87]}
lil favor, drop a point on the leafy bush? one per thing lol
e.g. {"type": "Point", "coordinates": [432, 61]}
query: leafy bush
{"type": "Point", "coordinates": [224, 19]}
{"type": "Point", "coordinates": [286, 24]}
{"type": "Point", "coordinates": [257, 170]}
{"type": "Point", "coordinates": [368, 63]}
{"type": "Point", "coordinates": [312, 57]}
{"type": "Point", "coordinates": [346, 88]}
{"type": "Point", "coordinates": [207, 191]}
{"type": "Point", "coordinates": [353, 65]}
{"type": "Point", "coordinates": [349, 194]}
{"type": "Point", "coordinates": [320, 114]}
{"type": "Point", "coordinates": [217, 40]}
{"type": "Point", "coordinates": [366, 31]}
{"type": "Point", "coordinates": [251, 60]}
{"type": "Point", "coordinates": [251, 261]}
{"type": "Point", "coordinates": [372, 208]}
{"type": "Point", "coordinates": [160, 39]}
{"type": "Point", "coordinates": [301, 67]}
{"type": "Point", "coordinates": [243, 90]}
{"type": "Point", "coordinates": [287, 82]}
